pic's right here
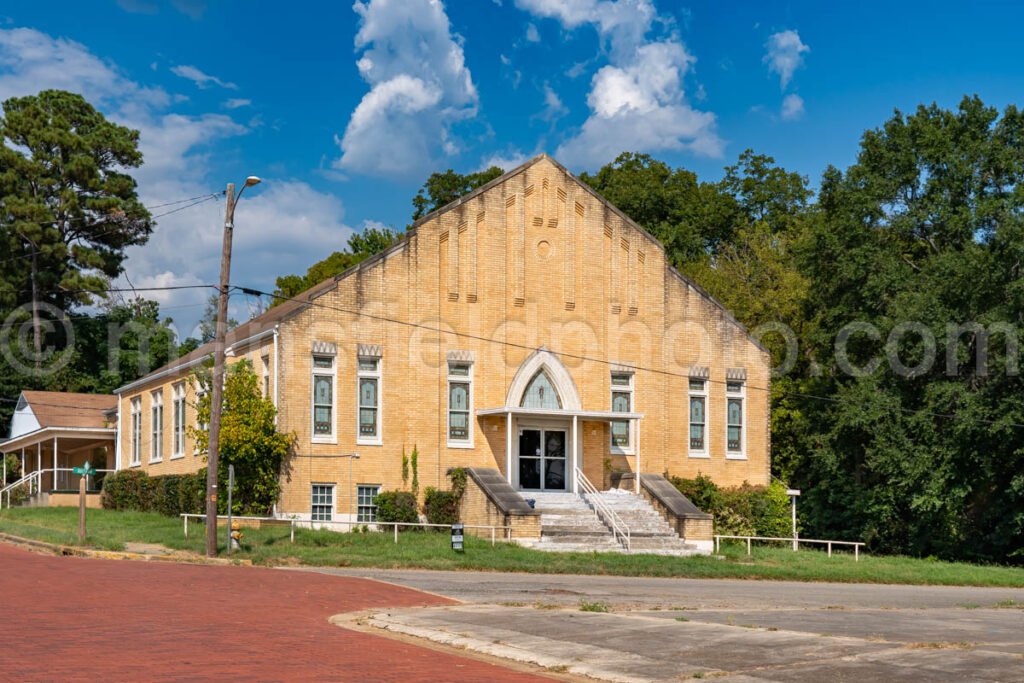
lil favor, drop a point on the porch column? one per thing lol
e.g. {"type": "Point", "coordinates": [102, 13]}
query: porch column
{"type": "Point", "coordinates": [54, 487]}
{"type": "Point", "coordinates": [575, 454]}
{"type": "Point", "coordinates": [4, 481]}
{"type": "Point", "coordinates": [637, 482]}
{"type": "Point", "coordinates": [23, 461]}
{"type": "Point", "coordinates": [508, 446]}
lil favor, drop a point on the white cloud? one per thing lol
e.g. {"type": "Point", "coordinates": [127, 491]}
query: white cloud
{"type": "Point", "coordinates": [31, 61]}
{"type": "Point", "coordinates": [237, 102]}
{"type": "Point", "coordinates": [185, 246]}
{"type": "Point", "coordinates": [621, 23]}
{"type": "Point", "coordinates": [419, 87]}
{"type": "Point", "coordinates": [505, 160]}
{"type": "Point", "coordinates": [637, 101]}
{"type": "Point", "coordinates": [785, 54]}
{"type": "Point", "coordinates": [792, 107]}
{"type": "Point", "coordinates": [532, 34]}
{"type": "Point", "coordinates": [554, 109]}
{"type": "Point", "coordinates": [202, 80]}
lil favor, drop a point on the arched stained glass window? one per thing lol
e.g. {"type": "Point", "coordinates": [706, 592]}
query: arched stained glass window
{"type": "Point", "coordinates": [541, 393]}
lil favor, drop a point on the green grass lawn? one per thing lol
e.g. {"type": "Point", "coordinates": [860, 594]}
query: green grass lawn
{"type": "Point", "coordinates": [430, 550]}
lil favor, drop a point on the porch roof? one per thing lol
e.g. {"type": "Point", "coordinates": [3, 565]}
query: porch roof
{"type": "Point", "coordinates": [591, 415]}
{"type": "Point", "coordinates": [47, 433]}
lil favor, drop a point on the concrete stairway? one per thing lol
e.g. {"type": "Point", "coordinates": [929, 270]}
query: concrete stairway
{"type": "Point", "coordinates": [569, 523]}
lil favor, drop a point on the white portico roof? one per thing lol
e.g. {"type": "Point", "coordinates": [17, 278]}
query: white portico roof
{"type": "Point", "coordinates": [592, 415]}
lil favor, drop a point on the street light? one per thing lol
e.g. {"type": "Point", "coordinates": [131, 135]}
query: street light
{"type": "Point", "coordinates": [217, 391]}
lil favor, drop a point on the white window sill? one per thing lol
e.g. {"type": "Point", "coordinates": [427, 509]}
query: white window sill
{"type": "Point", "coordinates": [621, 451]}
{"type": "Point", "coordinates": [178, 456]}
{"type": "Point", "coordinates": [706, 456]}
{"type": "Point", "coordinates": [460, 444]}
{"type": "Point", "coordinates": [735, 456]}
{"type": "Point", "coordinates": [135, 464]}
{"type": "Point", "coordinates": [156, 461]}
{"type": "Point", "coordinates": [324, 439]}
{"type": "Point", "coordinates": [368, 442]}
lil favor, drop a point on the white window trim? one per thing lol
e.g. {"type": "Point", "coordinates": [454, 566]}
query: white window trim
{"type": "Point", "coordinates": [617, 389]}
{"type": "Point", "coordinates": [693, 393]}
{"type": "Point", "coordinates": [178, 398]}
{"type": "Point", "coordinates": [741, 454]}
{"type": "Point", "coordinates": [156, 428]}
{"type": "Point", "coordinates": [333, 374]}
{"type": "Point", "coordinates": [369, 486]}
{"type": "Point", "coordinates": [334, 500]}
{"type": "Point", "coordinates": [460, 379]}
{"type": "Point", "coordinates": [377, 374]}
{"type": "Point", "coordinates": [135, 436]}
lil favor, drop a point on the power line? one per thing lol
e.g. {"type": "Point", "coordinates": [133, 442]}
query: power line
{"type": "Point", "coordinates": [573, 356]}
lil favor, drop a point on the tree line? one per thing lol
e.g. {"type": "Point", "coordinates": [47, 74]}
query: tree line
{"type": "Point", "coordinates": [898, 408]}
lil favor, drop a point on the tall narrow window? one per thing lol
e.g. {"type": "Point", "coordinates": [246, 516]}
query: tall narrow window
{"type": "Point", "coordinates": [266, 376]}
{"type": "Point", "coordinates": [157, 426]}
{"type": "Point", "coordinates": [369, 401]}
{"type": "Point", "coordinates": [698, 418]}
{"type": "Point", "coordinates": [136, 434]}
{"type": "Point", "coordinates": [622, 402]}
{"type": "Point", "coordinates": [366, 499]}
{"type": "Point", "coordinates": [322, 507]}
{"type": "Point", "coordinates": [323, 398]}
{"type": "Point", "coordinates": [178, 437]}
{"type": "Point", "coordinates": [734, 419]}
{"type": "Point", "coordinates": [460, 401]}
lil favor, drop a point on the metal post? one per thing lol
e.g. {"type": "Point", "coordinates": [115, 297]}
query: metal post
{"type": "Point", "coordinates": [231, 488]}
{"type": "Point", "coordinates": [396, 532]}
{"type": "Point", "coordinates": [793, 499]}
{"type": "Point", "coordinates": [492, 536]}
{"type": "Point", "coordinates": [186, 525]}
{"type": "Point", "coordinates": [830, 549]}
{"type": "Point", "coordinates": [748, 545]}
{"type": "Point", "coordinates": [293, 531]}
{"type": "Point", "coordinates": [856, 553]}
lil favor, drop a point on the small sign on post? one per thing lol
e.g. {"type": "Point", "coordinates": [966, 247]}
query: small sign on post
{"type": "Point", "coordinates": [85, 471]}
{"type": "Point", "coordinates": [457, 537]}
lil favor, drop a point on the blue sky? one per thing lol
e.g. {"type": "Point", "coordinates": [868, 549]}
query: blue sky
{"type": "Point", "coordinates": [345, 108]}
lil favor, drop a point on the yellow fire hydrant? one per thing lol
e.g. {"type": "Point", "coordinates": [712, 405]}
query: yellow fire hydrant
{"type": "Point", "coordinates": [236, 536]}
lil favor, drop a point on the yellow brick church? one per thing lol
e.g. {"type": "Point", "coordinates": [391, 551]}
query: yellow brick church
{"type": "Point", "coordinates": [529, 329]}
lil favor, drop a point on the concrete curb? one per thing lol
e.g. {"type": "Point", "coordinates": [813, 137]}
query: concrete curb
{"type": "Point", "coordinates": [74, 551]}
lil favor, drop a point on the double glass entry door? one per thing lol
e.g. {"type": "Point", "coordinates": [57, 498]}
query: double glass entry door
{"type": "Point", "coordinates": [542, 459]}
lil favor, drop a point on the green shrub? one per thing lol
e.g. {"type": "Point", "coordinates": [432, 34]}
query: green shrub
{"type": "Point", "coordinates": [170, 494]}
{"type": "Point", "coordinates": [13, 468]}
{"type": "Point", "coordinates": [741, 510]}
{"type": "Point", "coordinates": [441, 507]}
{"type": "Point", "coordinates": [396, 506]}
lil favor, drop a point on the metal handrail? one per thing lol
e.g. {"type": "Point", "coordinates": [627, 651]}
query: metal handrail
{"type": "Point", "coordinates": [34, 481]}
{"type": "Point", "coordinates": [857, 545]}
{"type": "Point", "coordinates": [312, 524]}
{"type": "Point", "coordinates": [619, 529]}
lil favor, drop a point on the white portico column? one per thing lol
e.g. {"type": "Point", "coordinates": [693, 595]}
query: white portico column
{"type": "Point", "coordinates": [575, 454]}
{"type": "Point", "coordinates": [54, 478]}
{"type": "Point", "coordinates": [637, 482]}
{"type": "Point", "coordinates": [508, 446]}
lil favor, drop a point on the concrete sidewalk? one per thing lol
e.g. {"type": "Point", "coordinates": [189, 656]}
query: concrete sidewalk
{"type": "Point", "coordinates": [673, 629]}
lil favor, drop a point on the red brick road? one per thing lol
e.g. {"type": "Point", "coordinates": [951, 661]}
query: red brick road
{"type": "Point", "coordinates": [71, 619]}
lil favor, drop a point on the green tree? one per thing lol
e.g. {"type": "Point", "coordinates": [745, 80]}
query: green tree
{"type": "Point", "coordinates": [690, 218]}
{"type": "Point", "coordinates": [249, 440]}
{"type": "Point", "coordinates": [444, 188]}
{"type": "Point", "coordinates": [926, 227]}
{"type": "Point", "coordinates": [66, 203]}
{"type": "Point", "coordinates": [360, 247]}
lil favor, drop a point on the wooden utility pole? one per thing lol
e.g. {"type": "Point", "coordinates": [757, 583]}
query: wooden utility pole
{"type": "Point", "coordinates": [217, 391]}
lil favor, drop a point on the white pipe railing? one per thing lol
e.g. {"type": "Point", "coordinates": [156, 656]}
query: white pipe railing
{"type": "Point", "coordinates": [795, 541]}
{"type": "Point", "coordinates": [33, 480]}
{"type": "Point", "coordinates": [313, 524]}
{"type": "Point", "coordinates": [619, 529]}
